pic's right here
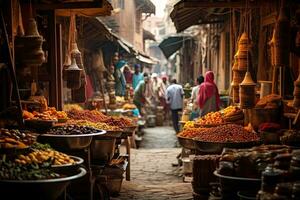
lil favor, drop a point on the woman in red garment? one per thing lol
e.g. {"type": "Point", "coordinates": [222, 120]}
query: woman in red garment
{"type": "Point", "coordinates": [208, 96]}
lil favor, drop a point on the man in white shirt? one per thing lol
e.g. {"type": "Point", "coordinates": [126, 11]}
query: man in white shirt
{"type": "Point", "coordinates": [174, 97]}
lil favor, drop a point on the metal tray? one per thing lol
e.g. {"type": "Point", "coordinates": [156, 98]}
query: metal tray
{"type": "Point", "coordinates": [67, 168]}
{"type": "Point", "coordinates": [68, 142]}
{"type": "Point", "coordinates": [48, 189]}
{"type": "Point", "coordinates": [187, 143]}
{"type": "Point", "coordinates": [217, 148]}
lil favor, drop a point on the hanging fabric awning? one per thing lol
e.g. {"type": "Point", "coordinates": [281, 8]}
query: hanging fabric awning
{"type": "Point", "coordinates": [173, 43]}
{"type": "Point", "coordinates": [146, 59]}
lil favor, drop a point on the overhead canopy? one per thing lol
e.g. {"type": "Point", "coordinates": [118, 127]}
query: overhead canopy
{"type": "Point", "coordinates": [146, 6]}
{"type": "Point", "coordinates": [187, 13]}
{"type": "Point", "coordinates": [88, 8]}
{"type": "Point", "coordinates": [146, 59]}
{"type": "Point", "coordinates": [173, 43]}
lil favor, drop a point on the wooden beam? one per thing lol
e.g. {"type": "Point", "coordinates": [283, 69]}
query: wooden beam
{"type": "Point", "coordinates": [211, 22]}
{"type": "Point", "coordinates": [269, 19]}
{"type": "Point", "coordinates": [75, 5]}
{"type": "Point", "coordinates": [239, 4]}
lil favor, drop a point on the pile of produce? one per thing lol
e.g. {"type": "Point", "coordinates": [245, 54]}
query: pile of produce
{"type": "Point", "coordinates": [42, 156]}
{"type": "Point", "coordinates": [211, 118]}
{"type": "Point", "coordinates": [192, 132]}
{"type": "Point", "coordinates": [188, 125]}
{"type": "Point", "coordinates": [119, 121]}
{"type": "Point", "coordinates": [89, 115]}
{"type": "Point", "coordinates": [68, 107]}
{"type": "Point", "coordinates": [15, 139]}
{"type": "Point", "coordinates": [233, 114]}
{"type": "Point", "coordinates": [129, 106]}
{"type": "Point", "coordinates": [272, 101]}
{"type": "Point", "coordinates": [50, 114]}
{"type": "Point", "coordinates": [72, 130]}
{"type": "Point", "coordinates": [227, 133]}
{"type": "Point", "coordinates": [10, 170]}
{"type": "Point", "coordinates": [98, 125]}
{"type": "Point", "coordinates": [249, 163]}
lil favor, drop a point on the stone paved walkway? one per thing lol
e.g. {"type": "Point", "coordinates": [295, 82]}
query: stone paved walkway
{"type": "Point", "coordinates": [152, 175]}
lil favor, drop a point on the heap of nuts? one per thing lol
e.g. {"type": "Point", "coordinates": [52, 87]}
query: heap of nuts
{"type": "Point", "coordinates": [227, 133]}
{"type": "Point", "coordinates": [119, 121]}
{"type": "Point", "coordinates": [89, 115]}
{"type": "Point", "coordinates": [99, 125]}
{"type": "Point", "coordinates": [192, 132]}
{"type": "Point", "coordinates": [72, 130]}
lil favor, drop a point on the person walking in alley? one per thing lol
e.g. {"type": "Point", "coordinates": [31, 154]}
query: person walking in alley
{"type": "Point", "coordinates": [194, 95]}
{"type": "Point", "coordinates": [137, 76]}
{"type": "Point", "coordinates": [140, 93]}
{"type": "Point", "coordinates": [208, 97]}
{"type": "Point", "coordinates": [162, 95]}
{"type": "Point", "coordinates": [174, 97]}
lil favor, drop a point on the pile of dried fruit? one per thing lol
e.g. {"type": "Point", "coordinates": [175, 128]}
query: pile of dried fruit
{"type": "Point", "coordinates": [211, 118]}
{"type": "Point", "coordinates": [15, 139]}
{"type": "Point", "coordinates": [50, 114]}
{"type": "Point", "coordinates": [89, 115]}
{"type": "Point", "coordinates": [189, 124]}
{"type": "Point", "coordinates": [72, 130]}
{"type": "Point", "coordinates": [41, 156]}
{"type": "Point", "coordinates": [119, 121]}
{"type": "Point", "coordinates": [227, 133]}
{"type": "Point", "coordinates": [99, 125]}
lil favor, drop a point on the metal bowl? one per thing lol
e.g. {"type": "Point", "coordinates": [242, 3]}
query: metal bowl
{"type": "Point", "coordinates": [187, 143]}
{"type": "Point", "coordinates": [230, 185]}
{"type": "Point", "coordinates": [109, 134]}
{"type": "Point", "coordinates": [48, 189]}
{"type": "Point", "coordinates": [67, 168]}
{"type": "Point", "coordinates": [217, 148]}
{"type": "Point", "coordinates": [68, 142]}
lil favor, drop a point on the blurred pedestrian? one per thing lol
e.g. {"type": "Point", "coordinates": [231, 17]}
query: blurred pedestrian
{"type": "Point", "coordinates": [139, 97]}
{"type": "Point", "coordinates": [137, 76]}
{"type": "Point", "coordinates": [162, 95]}
{"type": "Point", "coordinates": [127, 74]}
{"type": "Point", "coordinates": [194, 95]}
{"type": "Point", "coordinates": [208, 97]}
{"type": "Point", "coordinates": [174, 97]}
{"type": "Point", "coordinates": [155, 83]}
{"type": "Point", "coordinates": [120, 85]}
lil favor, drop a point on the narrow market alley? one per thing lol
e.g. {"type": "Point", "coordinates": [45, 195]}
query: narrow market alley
{"type": "Point", "coordinates": [152, 175]}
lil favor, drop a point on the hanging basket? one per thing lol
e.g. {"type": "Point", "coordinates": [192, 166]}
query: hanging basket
{"type": "Point", "coordinates": [247, 92]}
{"type": "Point", "coordinates": [238, 76]}
{"type": "Point", "coordinates": [28, 48]}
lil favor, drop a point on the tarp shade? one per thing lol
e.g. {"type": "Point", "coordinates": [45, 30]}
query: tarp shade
{"type": "Point", "coordinates": [171, 44]}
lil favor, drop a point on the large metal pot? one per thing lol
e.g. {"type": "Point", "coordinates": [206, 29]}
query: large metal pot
{"type": "Point", "coordinates": [49, 189]}
{"type": "Point", "coordinates": [102, 149]}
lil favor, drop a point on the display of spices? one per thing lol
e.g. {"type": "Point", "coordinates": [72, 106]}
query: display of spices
{"type": "Point", "coordinates": [227, 133]}
{"type": "Point", "coordinates": [119, 121]}
{"type": "Point", "coordinates": [10, 170]}
{"type": "Point", "coordinates": [89, 115]}
{"type": "Point", "coordinates": [72, 130]}
{"type": "Point", "coordinates": [192, 132]}
{"type": "Point", "coordinates": [15, 139]}
{"type": "Point", "coordinates": [211, 118]}
{"type": "Point", "coordinates": [41, 156]}
{"type": "Point", "coordinates": [272, 101]}
{"type": "Point", "coordinates": [98, 125]}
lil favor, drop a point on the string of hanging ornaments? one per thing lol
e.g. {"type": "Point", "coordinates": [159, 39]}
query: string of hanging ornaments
{"type": "Point", "coordinates": [247, 87]}
{"type": "Point", "coordinates": [28, 46]}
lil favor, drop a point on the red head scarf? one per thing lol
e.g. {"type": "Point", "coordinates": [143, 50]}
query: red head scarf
{"type": "Point", "coordinates": [207, 89]}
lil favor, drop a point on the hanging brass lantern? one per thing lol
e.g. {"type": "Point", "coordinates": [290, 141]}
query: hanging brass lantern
{"type": "Point", "coordinates": [73, 75]}
{"type": "Point", "coordinates": [247, 92]}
